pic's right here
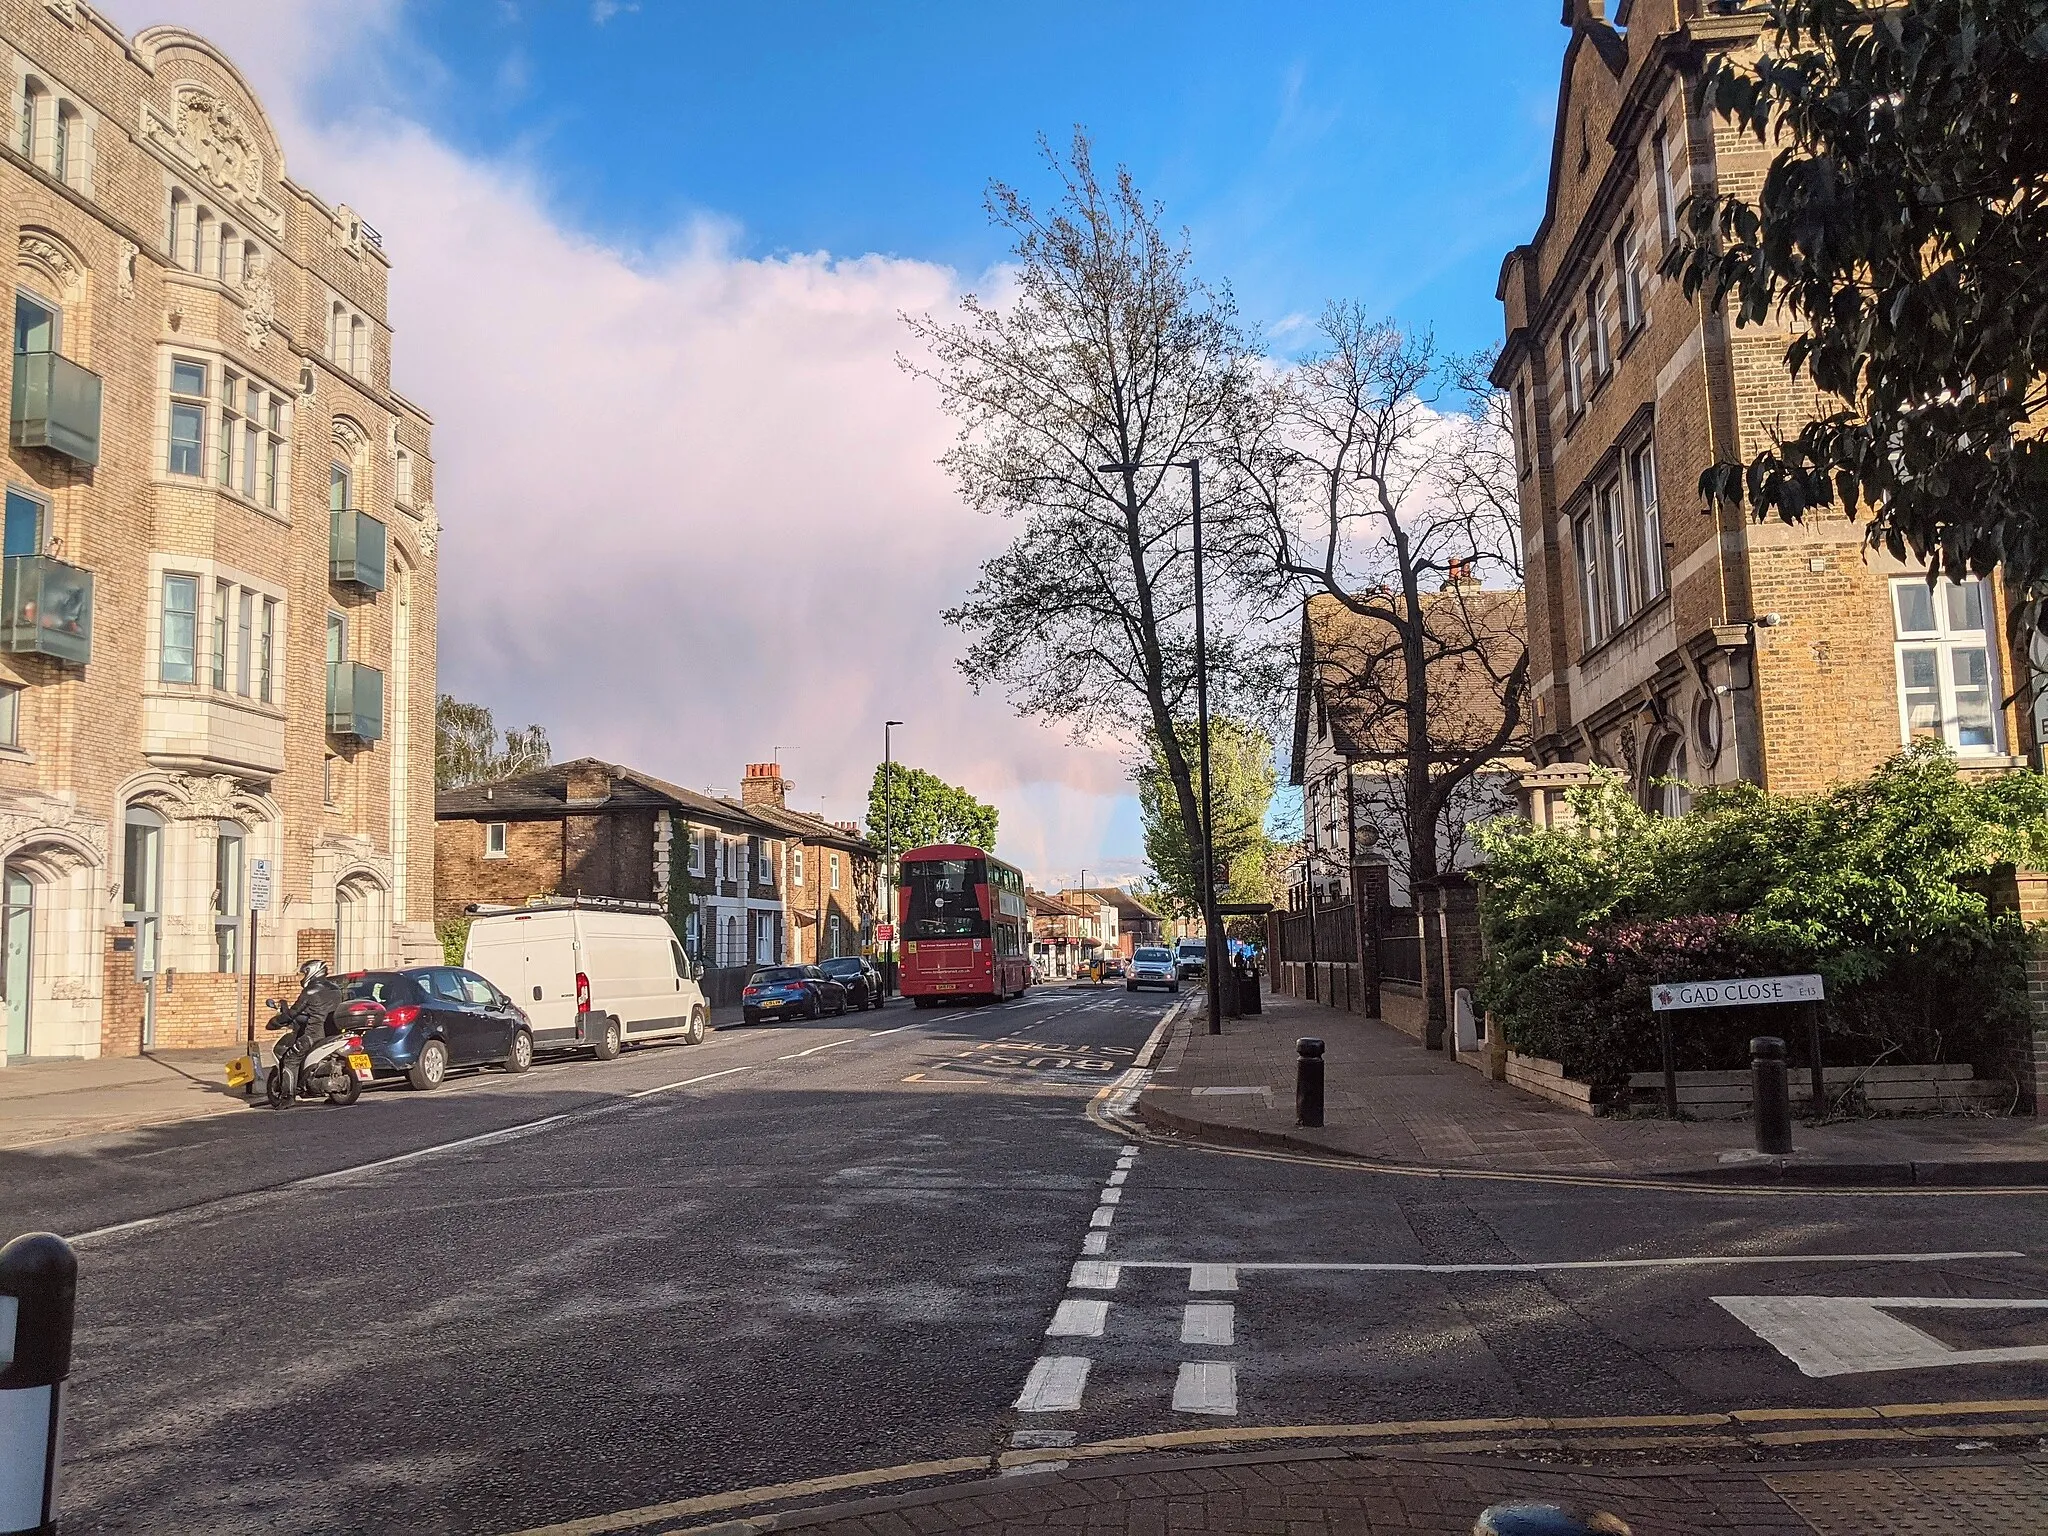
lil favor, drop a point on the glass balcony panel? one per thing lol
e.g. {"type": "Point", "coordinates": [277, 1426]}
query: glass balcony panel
{"type": "Point", "coordinates": [356, 545]}
{"type": "Point", "coordinates": [355, 700]}
{"type": "Point", "coordinates": [46, 608]}
{"type": "Point", "coordinates": [56, 406]}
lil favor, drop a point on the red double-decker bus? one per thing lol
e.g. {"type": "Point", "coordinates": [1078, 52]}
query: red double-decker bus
{"type": "Point", "coordinates": [965, 929]}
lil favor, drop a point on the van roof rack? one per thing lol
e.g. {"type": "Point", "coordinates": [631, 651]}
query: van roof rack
{"type": "Point", "coordinates": [565, 903]}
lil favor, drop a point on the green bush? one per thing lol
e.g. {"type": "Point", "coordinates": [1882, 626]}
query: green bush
{"type": "Point", "coordinates": [1876, 885]}
{"type": "Point", "coordinates": [454, 937]}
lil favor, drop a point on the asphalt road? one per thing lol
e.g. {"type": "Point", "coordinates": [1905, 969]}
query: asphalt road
{"type": "Point", "coordinates": [808, 1250]}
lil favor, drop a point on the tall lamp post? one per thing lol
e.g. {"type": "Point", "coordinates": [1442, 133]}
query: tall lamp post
{"type": "Point", "coordinates": [889, 847]}
{"type": "Point", "coordinates": [1212, 920]}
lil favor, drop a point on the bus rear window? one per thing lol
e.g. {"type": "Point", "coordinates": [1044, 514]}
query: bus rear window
{"type": "Point", "coordinates": [943, 901]}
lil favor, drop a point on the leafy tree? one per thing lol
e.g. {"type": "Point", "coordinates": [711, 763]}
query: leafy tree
{"type": "Point", "coordinates": [466, 749]}
{"type": "Point", "coordinates": [1079, 402]}
{"type": "Point", "coordinates": [1902, 227]}
{"type": "Point", "coordinates": [1243, 781]}
{"type": "Point", "coordinates": [925, 809]}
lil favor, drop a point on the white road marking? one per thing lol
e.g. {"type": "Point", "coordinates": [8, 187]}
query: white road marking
{"type": "Point", "coordinates": [1094, 1276]}
{"type": "Point", "coordinates": [1119, 1176]}
{"type": "Point", "coordinates": [1055, 1385]}
{"type": "Point", "coordinates": [799, 1055]}
{"type": "Point", "coordinates": [1103, 1216]}
{"type": "Point", "coordinates": [1076, 1319]}
{"type": "Point", "coordinates": [1112, 1196]}
{"type": "Point", "coordinates": [119, 1226]}
{"type": "Point", "coordinates": [688, 1082]}
{"type": "Point", "coordinates": [1208, 1322]}
{"type": "Point", "coordinates": [506, 1134]}
{"type": "Point", "coordinates": [1542, 1266]}
{"type": "Point", "coordinates": [1095, 1242]}
{"type": "Point", "coordinates": [1212, 1277]}
{"type": "Point", "coordinates": [1040, 1439]}
{"type": "Point", "coordinates": [1130, 1149]}
{"type": "Point", "coordinates": [1844, 1335]}
{"type": "Point", "coordinates": [1206, 1386]}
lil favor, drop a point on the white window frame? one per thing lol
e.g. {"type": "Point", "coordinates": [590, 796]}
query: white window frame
{"type": "Point", "coordinates": [1667, 185]}
{"type": "Point", "coordinates": [201, 403]}
{"type": "Point", "coordinates": [1574, 367]}
{"type": "Point", "coordinates": [496, 837]}
{"type": "Point", "coordinates": [1628, 268]}
{"type": "Point", "coordinates": [835, 871]}
{"type": "Point", "coordinates": [1596, 326]}
{"type": "Point", "coordinates": [1948, 644]}
{"type": "Point", "coordinates": [1611, 513]}
{"type": "Point", "coordinates": [696, 841]}
{"type": "Point", "coordinates": [1592, 601]}
{"type": "Point", "coordinates": [164, 611]}
{"type": "Point", "coordinates": [796, 864]}
{"type": "Point", "coordinates": [1639, 469]}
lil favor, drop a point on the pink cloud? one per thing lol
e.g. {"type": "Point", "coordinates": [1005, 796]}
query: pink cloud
{"type": "Point", "coordinates": [691, 506]}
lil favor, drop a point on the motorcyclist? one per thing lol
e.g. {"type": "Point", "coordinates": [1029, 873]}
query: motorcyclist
{"type": "Point", "coordinates": [315, 1008]}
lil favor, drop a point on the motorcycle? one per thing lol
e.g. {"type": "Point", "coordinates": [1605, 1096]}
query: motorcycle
{"type": "Point", "coordinates": [334, 1068]}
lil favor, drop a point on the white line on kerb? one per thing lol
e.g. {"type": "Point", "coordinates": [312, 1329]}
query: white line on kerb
{"type": "Point", "coordinates": [1055, 1385]}
{"type": "Point", "coordinates": [1112, 1196]}
{"type": "Point", "coordinates": [1093, 1276]}
{"type": "Point", "coordinates": [1104, 1215]}
{"type": "Point", "coordinates": [1094, 1242]}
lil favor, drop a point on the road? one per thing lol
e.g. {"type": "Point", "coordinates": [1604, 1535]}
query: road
{"type": "Point", "coordinates": [804, 1251]}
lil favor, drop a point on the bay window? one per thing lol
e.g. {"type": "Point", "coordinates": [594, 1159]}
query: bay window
{"type": "Point", "coordinates": [188, 417]}
{"type": "Point", "coordinates": [179, 662]}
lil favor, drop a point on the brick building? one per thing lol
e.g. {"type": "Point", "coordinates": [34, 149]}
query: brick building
{"type": "Point", "coordinates": [1134, 923]}
{"type": "Point", "coordinates": [217, 622]}
{"type": "Point", "coordinates": [1669, 638]}
{"type": "Point", "coordinates": [830, 869]}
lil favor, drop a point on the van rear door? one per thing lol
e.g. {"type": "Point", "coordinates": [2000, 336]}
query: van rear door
{"type": "Point", "coordinates": [531, 958]}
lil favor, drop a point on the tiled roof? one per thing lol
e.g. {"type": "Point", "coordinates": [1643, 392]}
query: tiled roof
{"type": "Point", "coordinates": [545, 793]}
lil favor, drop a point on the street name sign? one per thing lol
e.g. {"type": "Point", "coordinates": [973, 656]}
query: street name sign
{"type": "Point", "coordinates": [259, 885]}
{"type": "Point", "coordinates": [1740, 992]}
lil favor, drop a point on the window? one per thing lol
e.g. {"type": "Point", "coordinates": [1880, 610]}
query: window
{"type": "Point", "coordinates": [494, 839]}
{"type": "Point", "coordinates": [142, 848]}
{"type": "Point", "coordinates": [832, 930]}
{"type": "Point", "coordinates": [1592, 609]}
{"type": "Point", "coordinates": [202, 239]}
{"type": "Point", "coordinates": [180, 661]}
{"type": "Point", "coordinates": [174, 224]}
{"type": "Point", "coordinates": [339, 489]}
{"type": "Point", "coordinates": [1614, 573]}
{"type": "Point", "coordinates": [337, 638]}
{"type": "Point", "coordinates": [1946, 683]}
{"type": "Point", "coordinates": [64, 135]}
{"type": "Point", "coordinates": [245, 641]}
{"type": "Point", "coordinates": [696, 851]}
{"type": "Point", "coordinates": [26, 514]}
{"type": "Point", "coordinates": [223, 600]}
{"type": "Point", "coordinates": [230, 424]}
{"type": "Point", "coordinates": [29, 111]}
{"type": "Point", "coordinates": [37, 323]}
{"type": "Point", "coordinates": [10, 715]}
{"type": "Point", "coordinates": [1596, 324]}
{"type": "Point", "coordinates": [227, 255]}
{"type": "Point", "coordinates": [188, 417]}
{"type": "Point", "coordinates": [402, 478]}
{"type": "Point", "coordinates": [1642, 479]}
{"type": "Point", "coordinates": [1574, 368]}
{"type": "Point", "coordinates": [273, 450]}
{"type": "Point", "coordinates": [358, 346]}
{"type": "Point", "coordinates": [796, 864]}
{"type": "Point", "coordinates": [1664, 167]}
{"type": "Point", "coordinates": [327, 780]}
{"type": "Point", "coordinates": [757, 861]}
{"type": "Point", "coordinates": [266, 642]}
{"type": "Point", "coordinates": [835, 871]}
{"type": "Point", "coordinates": [1628, 268]}
{"type": "Point", "coordinates": [227, 896]}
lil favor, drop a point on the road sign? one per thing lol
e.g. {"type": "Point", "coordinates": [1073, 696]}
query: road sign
{"type": "Point", "coordinates": [1742, 991]}
{"type": "Point", "coordinates": [885, 931]}
{"type": "Point", "coordinates": [259, 885]}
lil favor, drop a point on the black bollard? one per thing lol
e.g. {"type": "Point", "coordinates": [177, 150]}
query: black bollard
{"type": "Point", "coordinates": [1771, 1094]}
{"type": "Point", "coordinates": [38, 1299]}
{"type": "Point", "coordinates": [1308, 1082]}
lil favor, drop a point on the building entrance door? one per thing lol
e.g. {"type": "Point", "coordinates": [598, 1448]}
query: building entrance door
{"type": "Point", "coordinates": [17, 944]}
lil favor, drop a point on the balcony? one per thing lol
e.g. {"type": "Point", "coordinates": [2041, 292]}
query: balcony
{"type": "Point", "coordinates": [46, 607]}
{"type": "Point", "coordinates": [355, 549]}
{"type": "Point", "coordinates": [355, 701]}
{"type": "Point", "coordinates": [56, 406]}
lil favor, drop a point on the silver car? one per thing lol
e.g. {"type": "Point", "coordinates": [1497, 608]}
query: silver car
{"type": "Point", "coordinates": [1151, 967]}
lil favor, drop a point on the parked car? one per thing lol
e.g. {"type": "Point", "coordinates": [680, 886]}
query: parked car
{"type": "Point", "coordinates": [1152, 966]}
{"type": "Point", "coordinates": [591, 974]}
{"type": "Point", "coordinates": [438, 1018]}
{"type": "Point", "coordinates": [862, 981]}
{"type": "Point", "coordinates": [1190, 958]}
{"type": "Point", "coordinates": [791, 991]}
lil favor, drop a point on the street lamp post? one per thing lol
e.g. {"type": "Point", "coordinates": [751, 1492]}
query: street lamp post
{"type": "Point", "coordinates": [889, 848]}
{"type": "Point", "coordinates": [1212, 920]}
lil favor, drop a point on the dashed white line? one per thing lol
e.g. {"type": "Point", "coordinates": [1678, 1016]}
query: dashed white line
{"type": "Point", "coordinates": [1103, 1216]}
{"type": "Point", "coordinates": [1208, 1322]}
{"type": "Point", "coordinates": [688, 1082]}
{"type": "Point", "coordinates": [1212, 1277]}
{"type": "Point", "coordinates": [1055, 1385]}
{"type": "Point", "coordinates": [1095, 1242]}
{"type": "Point", "coordinates": [1206, 1386]}
{"type": "Point", "coordinates": [1076, 1319]}
{"type": "Point", "coordinates": [799, 1055]}
{"type": "Point", "coordinates": [1094, 1276]}
{"type": "Point", "coordinates": [1111, 1196]}
{"type": "Point", "coordinates": [1119, 1176]}
{"type": "Point", "coordinates": [1223, 1277]}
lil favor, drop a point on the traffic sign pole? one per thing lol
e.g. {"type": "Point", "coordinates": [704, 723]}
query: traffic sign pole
{"type": "Point", "coordinates": [259, 903]}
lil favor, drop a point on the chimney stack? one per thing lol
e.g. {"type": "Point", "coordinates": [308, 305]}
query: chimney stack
{"type": "Point", "coordinates": [588, 782]}
{"type": "Point", "coordinates": [765, 786]}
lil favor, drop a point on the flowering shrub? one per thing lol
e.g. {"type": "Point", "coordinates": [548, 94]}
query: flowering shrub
{"type": "Point", "coordinates": [1876, 885]}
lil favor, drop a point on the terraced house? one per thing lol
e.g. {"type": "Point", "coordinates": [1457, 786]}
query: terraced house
{"type": "Point", "coordinates": [1673, 639]}
{"type": "Point", "coordinates": [217, 622]}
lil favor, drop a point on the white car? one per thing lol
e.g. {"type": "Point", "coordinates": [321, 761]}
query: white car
{"type": "Point", "coordinates": [590, 973]}
{"type": "Point", "coordinates": [1151, 966]}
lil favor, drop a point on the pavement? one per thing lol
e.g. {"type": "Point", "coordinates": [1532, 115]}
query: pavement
{"type": "Point", "coordinates": [1389, 1101]}
{"type": "Point", "coordinates": [901, 1271]}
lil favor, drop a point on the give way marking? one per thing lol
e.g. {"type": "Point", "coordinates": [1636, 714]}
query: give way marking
{"type": "Point", "coordinates": [1844, 1335]}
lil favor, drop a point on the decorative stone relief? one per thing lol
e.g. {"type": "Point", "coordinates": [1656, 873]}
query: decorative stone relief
{"type": "Point", "coordinates": [65, 11]}
{"type": "Point", "coordinates": [29, 815]}
{"type": "Point", "coordinates": [59, 262]}
{"type": "Point", "coordinates": [124, 269]}
{"type": "Point", "coordinates": [214, 135]}
{"type": "Point", "coordinates": [430, 527]}
{"type": "Point", "coordinates": [207, 796]}
{"type": "Point", "coordinates": [259, 306]}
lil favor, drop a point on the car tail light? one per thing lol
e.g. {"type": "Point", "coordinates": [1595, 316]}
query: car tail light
{"type": "Point", "coordinates": [400, 1017]}
{"type": "Point", "coordinates": [751, 992]}
{"type": "Point", "coordinates": [582, 993]}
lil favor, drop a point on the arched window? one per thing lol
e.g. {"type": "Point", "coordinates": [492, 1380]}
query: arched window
{"type": "Point", "coordinates": [250, 262]}
{"type": "Point", "coordinates": [29, 114]}
{"type": "Point", "coordinates": [1667, 791]}
{"type": "Point", "coordinates": [228, 866]}
{"type": "Point", "coordinates": [337, 335]}
{"type": "Point", "coordinates": [142, 882]}
{"type": "Point", "coordinates": [227, 255]}
{"type": "Point", "coordinates": [358, 346]}
{"type": "Point", "coordinates": [66, 142]}
{"type": "Point", "coordinates": [202, 240]}
{"type": "Point", "coordinates": [174, 226]}
{"type": "Point", "coordinates": [402, 476]}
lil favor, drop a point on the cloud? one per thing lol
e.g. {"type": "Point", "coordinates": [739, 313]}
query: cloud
{"type": "Point", "coordinates": [691, 506]}
{"type": "Point", "coordinates": [602, 11]}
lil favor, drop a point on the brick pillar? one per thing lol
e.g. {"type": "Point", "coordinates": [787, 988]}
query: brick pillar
{"type": "Point", "coordinates": [2025, 891]}
{"type": "Point", "coordinates": [1435, 995]}
{"type": "Point", "coordinates": [1369, 898]}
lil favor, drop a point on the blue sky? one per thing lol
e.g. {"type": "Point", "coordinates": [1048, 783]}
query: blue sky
{"type": "Point", "coordinates": [1385, 152]}
{"type": "Point", "coordinates": [649, 270]}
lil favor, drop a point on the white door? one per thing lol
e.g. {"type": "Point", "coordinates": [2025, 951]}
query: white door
{"type": "Point", "coordinates": [17, 916]}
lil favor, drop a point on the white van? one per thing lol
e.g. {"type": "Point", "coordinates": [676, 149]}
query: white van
{"type": "Point", "coordinates": [590, 972]}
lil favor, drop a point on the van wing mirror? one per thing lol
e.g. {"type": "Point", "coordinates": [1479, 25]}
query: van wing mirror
{"type": "Point", "coordinates": [696, 970]}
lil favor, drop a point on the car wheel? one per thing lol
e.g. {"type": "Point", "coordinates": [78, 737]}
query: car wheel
{"type": "Point", "coordinates": [607, 1047]}
{"type": "Point", "coordinates": [697, 1026]}
{"type": "Point", "coordinates": [749, 1018]}
{"type": "Point", "coordinates": [431, 1068]}
{"type": "Point", "coordinates": [522, 1052]}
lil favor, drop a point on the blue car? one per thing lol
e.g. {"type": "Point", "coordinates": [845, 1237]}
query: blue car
{"type": "Point", "coordinates": [438, 1018]}
{"type": "Point", "coordinates": [791, 991]}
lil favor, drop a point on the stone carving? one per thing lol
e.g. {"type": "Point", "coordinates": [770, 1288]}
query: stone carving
{"type": "Point", "coordinates": [65, 11]}
{"type": "Point", "coordinates": [1628, 745]}
{"type": "Point", "coordinates": [207, 797]}
{"type": "Point", "coordinates": [52, 255]}
{"type": "Point", "coordinates": [214, 135]}
{"type": "Point", "coordinates": [259, 306]}
{"type": "Point", "coordinates": [124, 269]}
{"type": "Point", "coordinates": [30, 815]}
{"type": "Point", "coordinates": [430, 527]}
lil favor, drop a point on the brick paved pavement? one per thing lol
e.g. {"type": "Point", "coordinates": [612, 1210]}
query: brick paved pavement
{"type": "Point", "coordinates": [1339, 1493]}
{"type": "Point", "coordinates": [1389, 1099]}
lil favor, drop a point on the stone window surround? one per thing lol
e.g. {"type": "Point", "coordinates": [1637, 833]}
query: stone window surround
{"type": "Point", "coordinates": [78, 174]}
{"type": "Point", "coordinates": [218, 365]}
{"type": "Point", "coordinates": [211, 574]}
{"type": "Point", "coordinates": [1947, 642]}
{"type": "Point", "coordinates": [187, 261]}
{"type": "Point", "coordinates": [1583, 505]}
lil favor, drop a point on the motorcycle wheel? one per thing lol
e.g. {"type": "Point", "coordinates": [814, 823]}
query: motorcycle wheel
{"type": "Point", "coordinates": [349, 1091]}
{"type": "Point", "coordinates": [275, 1093]}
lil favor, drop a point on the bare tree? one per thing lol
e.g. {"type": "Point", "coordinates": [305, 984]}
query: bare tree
{"type": "Point", "coordinates": [1111, 351]}
{"type": "Point", "coordinates": [1390, 512]}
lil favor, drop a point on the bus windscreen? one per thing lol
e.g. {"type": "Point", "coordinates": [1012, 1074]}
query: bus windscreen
{"type": "Point", "coordinates": [942, 899]}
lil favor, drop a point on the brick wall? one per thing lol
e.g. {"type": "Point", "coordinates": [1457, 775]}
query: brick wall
{"type": "Point", "coordinates": [591, 853]}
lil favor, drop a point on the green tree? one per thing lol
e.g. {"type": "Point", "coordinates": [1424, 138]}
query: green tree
{"type": "Point", "coordinates": [925, 809]}
{"type": "Point", "coordinates": [1241, 769]}
{"type": "Point", "coordinates": [466, 749]}
{"type": "Point", "coordinates": [1902, 227]}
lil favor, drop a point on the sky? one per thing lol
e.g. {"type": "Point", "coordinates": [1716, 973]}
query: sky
{"type": "Point", "coordinates": [650, 263]}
